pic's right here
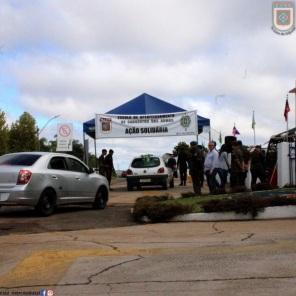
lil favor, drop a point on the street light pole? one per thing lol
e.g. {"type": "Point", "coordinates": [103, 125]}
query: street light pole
{"type": "Point", "coordinates": [42, 129]}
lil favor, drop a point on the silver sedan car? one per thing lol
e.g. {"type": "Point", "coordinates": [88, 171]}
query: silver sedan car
{"type": "Point", "coordinates": [46, 180]}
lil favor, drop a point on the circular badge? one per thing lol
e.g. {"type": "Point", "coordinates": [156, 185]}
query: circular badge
{"type": "Point", "coordinates": [185, 121]}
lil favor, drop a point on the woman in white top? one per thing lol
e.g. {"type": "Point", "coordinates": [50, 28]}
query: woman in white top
{"type": "Point", "coordinates": [222, 166]}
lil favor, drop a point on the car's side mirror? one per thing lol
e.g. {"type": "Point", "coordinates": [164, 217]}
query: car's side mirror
{"type": "Point", "coordinates": [91, 170]}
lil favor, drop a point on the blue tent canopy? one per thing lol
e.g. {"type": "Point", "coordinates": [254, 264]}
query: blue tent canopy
{"type": "Point", "coordinates": [144, 104]}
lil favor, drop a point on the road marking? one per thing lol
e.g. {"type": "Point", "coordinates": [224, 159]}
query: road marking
{"type": "Point", "coordinates": [48, 267]}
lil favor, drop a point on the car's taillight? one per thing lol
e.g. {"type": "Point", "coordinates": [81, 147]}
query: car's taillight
{"type": "Point", "coordinates": [24, 177]}
{"type": "Point", "coordinates": [160, 171]}
{"type": "Point", "coordinates": [129, 172]}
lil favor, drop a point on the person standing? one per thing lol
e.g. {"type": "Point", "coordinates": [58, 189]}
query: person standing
{"type": "Point", "coordinates": [209, 166]}
{"type": "Point", "coordinates": [182, 166]}
{"type": "Point", "coordinates": [222, 167]}
{"type": "Point", "coordinates": [101, 161]}
{"type": "Point", "coordinates": [172, 164]}
{"type": "Point", "coordinates": [237, 165]}
{"type": "Point", "coordinates": [257, 165]}
{"type": "Point", "coordinates": [195, 161]}
{"type": "Point", "coordinates": [109, 167]}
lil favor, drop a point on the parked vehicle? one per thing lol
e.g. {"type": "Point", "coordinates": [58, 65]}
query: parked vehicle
{"type": "Point", "coordinates": [147, 170]}
{"type": "Point", "coordinates": [46, 180]}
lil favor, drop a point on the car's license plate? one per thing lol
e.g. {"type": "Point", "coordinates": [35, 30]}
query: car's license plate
{"type": "Point", "coordinates": [145, 180]}
{"type": "Point", "coordinates": [4, 196]}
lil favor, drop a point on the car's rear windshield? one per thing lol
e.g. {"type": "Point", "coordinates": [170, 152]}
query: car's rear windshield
{"type": "Point", "coordinates": [145, 162]}
{"type": "Point", "coordinates": [19, 159]}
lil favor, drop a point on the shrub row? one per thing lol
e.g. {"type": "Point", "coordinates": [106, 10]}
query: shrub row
{"type": "Point", "coordinates": [156, 210]}
{"type": "Point", "coordinates": [246, 204]}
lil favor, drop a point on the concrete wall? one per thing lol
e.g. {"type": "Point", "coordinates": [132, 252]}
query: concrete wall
{"type": "Point", "coordinates": [285, 164]}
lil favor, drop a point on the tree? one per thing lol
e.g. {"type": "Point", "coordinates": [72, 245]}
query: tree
{"type": "Point", "coordinates": [3, 134]}
{"type": "Point", "coordinates": [182, 146]}
{"type": "Point", "coordinates": [77, 150]}
{"type": "Point", "coordinates": [44, 145]}
{"type": "Point", "coordinates": [23, 134]}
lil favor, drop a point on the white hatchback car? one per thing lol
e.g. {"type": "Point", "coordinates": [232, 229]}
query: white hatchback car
{"type": "Point", "coordinates": [149, 170]}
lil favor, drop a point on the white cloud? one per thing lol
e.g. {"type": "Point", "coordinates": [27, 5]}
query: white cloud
{"type": "Point", "coordinates": [85, 57]}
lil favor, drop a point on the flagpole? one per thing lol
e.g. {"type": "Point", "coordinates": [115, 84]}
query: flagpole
{"type": "Point", "coordinates": [293, 91]}
{"type": "Point", "coordinates": [254, 137]}
{"type": "Point", "coordinates": [287, 116]}
{"type": "Point", "coordinates": [254, 127]}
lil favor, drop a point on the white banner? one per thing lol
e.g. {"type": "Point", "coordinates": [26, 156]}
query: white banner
{"type": "Point", "coordinates": [65, 137]}
{"type": "Point", "coordinates": [149, 125]}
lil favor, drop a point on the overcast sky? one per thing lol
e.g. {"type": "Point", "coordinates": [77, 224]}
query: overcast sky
{"type": "Point", "coordinates": [78, 58]}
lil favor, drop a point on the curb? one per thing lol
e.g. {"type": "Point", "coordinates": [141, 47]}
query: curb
{"type": "Point", "coordinates": [269, 213]}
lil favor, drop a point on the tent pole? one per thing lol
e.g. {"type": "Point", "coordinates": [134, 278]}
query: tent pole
{"type": "Point", "coordinates": [96, 152]}
{"type": "Point", "coordinates": [84, 150]}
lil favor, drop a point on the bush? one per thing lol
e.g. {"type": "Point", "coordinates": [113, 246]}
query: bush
{"type": "Point", "coordinates": [245, 205]}
{"type": "Point", "coordinates": [156, 210]}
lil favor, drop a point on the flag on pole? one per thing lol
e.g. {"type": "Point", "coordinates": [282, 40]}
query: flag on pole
{"type": "Point", "coordinates": [253, 121]}
{"type": "Point", "coordinates": [287, 110]}
{"type": "Point", "coordinates": [220, 138]}
{"type": "Point", "coordinates": [235, 131]}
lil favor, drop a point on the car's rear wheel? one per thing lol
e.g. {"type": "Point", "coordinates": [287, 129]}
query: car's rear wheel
{"type": "Point", "coordinates": [101, 199]}
{"type": "Point", "coordinates": [47, 203]}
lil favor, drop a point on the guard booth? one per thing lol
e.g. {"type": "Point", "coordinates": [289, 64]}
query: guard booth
{"type": "Point", "coordinates": [280, 159]}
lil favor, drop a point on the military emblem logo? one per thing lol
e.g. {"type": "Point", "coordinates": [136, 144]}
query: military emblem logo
{"type": "Point", "coordinates": [106, 125]}
{"type": "Point", "coordinates": [185, 121]}
{"type": "Point", "coordinates": [283, 17]}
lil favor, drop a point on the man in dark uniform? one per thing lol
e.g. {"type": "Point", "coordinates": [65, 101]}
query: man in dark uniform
{"type": "Point", "coordinates": [109, 166]}
{"type": "Point", "coordinates": [182, 166]}
{"type": "Point", "coordinates": [257, 165]}
{"type": "Point", "coordinates": [237, 165]}
{"type": "Point", "coordinates": [101, 161]}
{"type": "Point", "coordinates": [195, 166]}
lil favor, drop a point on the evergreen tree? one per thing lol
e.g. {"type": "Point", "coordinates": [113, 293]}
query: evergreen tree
{"type": "Point", "coordinates": [77, 150]}
{"type": "Point", "coordinates": [3, 134]}
{"type": "Point", "coordinates": [23, 135]}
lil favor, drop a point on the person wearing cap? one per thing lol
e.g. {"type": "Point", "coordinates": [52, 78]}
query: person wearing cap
{"type": "Point", "coordinates": [209, 165]}
{"type": "Point", "coordinates": [257, 165]}
{"type": "Point", "coordinates": [195, 162]}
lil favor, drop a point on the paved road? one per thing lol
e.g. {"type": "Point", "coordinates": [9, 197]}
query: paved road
{"type": "Point", "coordinates": [117, 214]}
{"type": "Point", "coordinates": [122, 258]}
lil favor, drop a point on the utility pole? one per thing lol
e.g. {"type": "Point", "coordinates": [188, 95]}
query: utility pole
{"type": "Point", "coordinates": [293, 91]}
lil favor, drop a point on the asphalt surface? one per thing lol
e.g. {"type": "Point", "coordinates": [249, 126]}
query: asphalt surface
{"type": "Point", "coordinates": [80, 251]}
{"type": "Point", "coordinates": [21, 220]}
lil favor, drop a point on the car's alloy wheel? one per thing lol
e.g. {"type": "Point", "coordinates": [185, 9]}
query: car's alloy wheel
{"type": "Point", "coordinates": [47, 203]}
{"type": "Point", "coordinates": [101, 199]}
